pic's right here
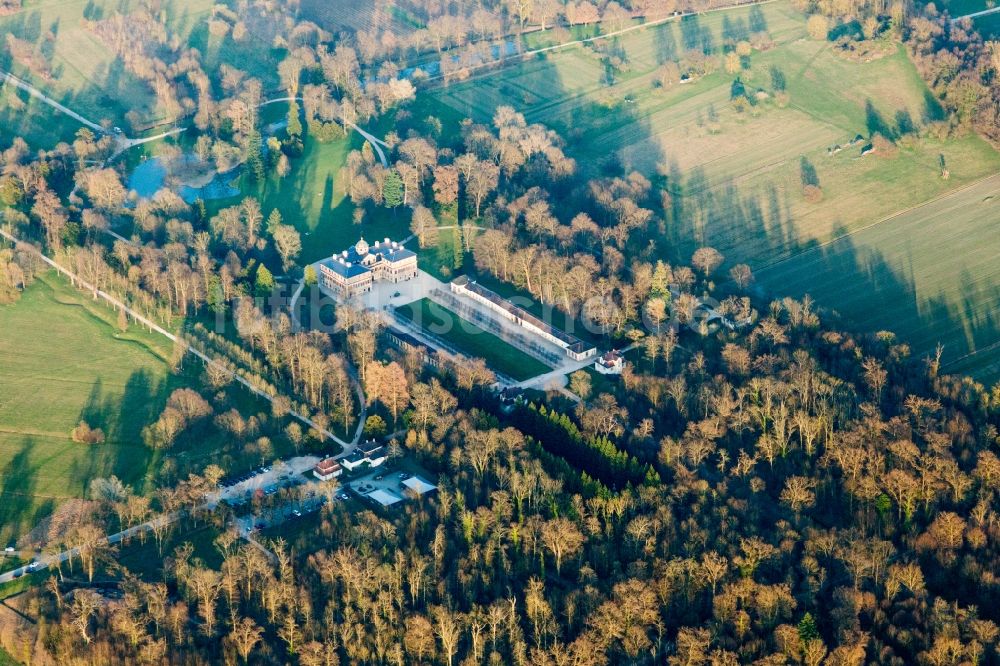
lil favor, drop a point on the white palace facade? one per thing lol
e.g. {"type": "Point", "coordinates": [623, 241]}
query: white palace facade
{"type": "Point", "coordinates": [354, 270]}
{"type": "Point", "coordinates": [574, 348]}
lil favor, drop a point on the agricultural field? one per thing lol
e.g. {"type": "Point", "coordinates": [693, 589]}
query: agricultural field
{"type": "Point", "coordinates": [473, 340]}
{"type": "Point", "coordinates": [61, 363]}
{"type": "Point", "coordinates": [736, 178]}
{"type": "Point", "coordinates": [64, 361]}
{"type": "Point", "coordinates": [86, 75]}
{"type": "Point", "coordinates": [929, 274]}
{"type": "Point", "coordinates": [335, 15]}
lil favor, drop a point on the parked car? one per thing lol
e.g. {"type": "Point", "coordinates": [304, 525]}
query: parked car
{"type": "Point", "coordinates": [35, 566]}
{"type": "Point", "coordinates": [296, 513]}
{"type": "Point", "coordinates": [9, 550]}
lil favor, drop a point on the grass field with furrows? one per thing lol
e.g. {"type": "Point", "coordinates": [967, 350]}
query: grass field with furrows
{"type": "Point", "coordinates": [736, 178]}
{"type": "Point", "coordinates": [62, 362]}
{"type": "Point", "coordinates": [722, 165]}
{"type": "Point", "coordinates": [473, 340]}
{"type": "Point", "coordinates": [929, 274]}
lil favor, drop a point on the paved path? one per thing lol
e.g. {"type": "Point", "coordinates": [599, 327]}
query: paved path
{"type": "Point", "coordinates": [173, 338]}
{"type": "Point", "coordinates": [125, 143]}
{"type": "Point", "coordinates": [973, 15]}
{"type": "Point", "coordinates": [282, 476]}
{"type": "Point", "coordinates": [122, 143]}
{"type": "Point", "coordinates": [376, 142]}
{"type": "Point", "coordinates": [35, 92]}
{"type": "Point", "coordinates": [556, 379]}
{"type": "Point", "coordinates": [607, 35]}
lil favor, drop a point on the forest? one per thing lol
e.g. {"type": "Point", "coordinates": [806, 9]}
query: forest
{"type": "Point", "coordinates": [783, 490]}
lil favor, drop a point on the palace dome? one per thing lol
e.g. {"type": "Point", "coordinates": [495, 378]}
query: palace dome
{"type": "Point", "coordinates": [361, 248]}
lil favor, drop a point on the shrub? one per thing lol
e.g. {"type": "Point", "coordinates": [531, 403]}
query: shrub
{"type": "Point", "coordinates": [812, 193]}
{"type": "Point", "coordinates": [818, 27]}
{"type": "Point", "coordinates": [84, 434]}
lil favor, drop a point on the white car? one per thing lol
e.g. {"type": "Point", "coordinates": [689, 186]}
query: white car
{"type": "Point", "coordinates": [9, 550]}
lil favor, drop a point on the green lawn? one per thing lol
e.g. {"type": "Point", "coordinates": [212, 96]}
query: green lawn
{"type": "Point", "coordinates": [929, 274]}
{"type": "Point", "coordinates": [964, 7]}
{"type": "Point", "coordinates": [63, 360]}
{"type": "Point", "coordinates": [473, 340]}
{"type": "Point", "coordinates": [735, 178]}
{"type": "Point", "coordinates": [312, 197]}
{"type": "Point", "coordinates": [6, 659]}
{"type": "Point", "coordinates": [988, 26]}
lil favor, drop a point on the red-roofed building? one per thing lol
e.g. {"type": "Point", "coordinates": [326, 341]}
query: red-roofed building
{"type": "Point", "coordinates": [610, 363]}
{"type": "Point", "coordinates": [327, 469]}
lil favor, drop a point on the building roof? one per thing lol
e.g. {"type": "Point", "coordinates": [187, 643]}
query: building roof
{"type": "Point", "coordinates": [326, 466]}
{"type": "Point", "coordinates": [418, 485]}
{"type": "Point", "coordinates": [344, 267]}
{"type": "Point", "coordinates": [355, 457]}
{"type": "Point", "coordinates": [405, 339]}
{"type": "Point", "coordinates": [392, 252]}
{"type": "Point", "coordinates": [350, 262]}
{"type": "Point", "coordinates": [384, 497]}
{"type": "Point", "coordinates": [573, 343]}
{"type": "Point", "coordinates": [610, 358]}
{"type": "Point", "coordinates": [368, 446]}
{"type": "Point", "coordinates": [510, 393]}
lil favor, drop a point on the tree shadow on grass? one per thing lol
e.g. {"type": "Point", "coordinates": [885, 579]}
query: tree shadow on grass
{"type": "Point", "coordinates": [17, 487]}
{"type": "Point", "coordinates": [874, 291]}
{"type": "Point", "coordinates": [122, 417]}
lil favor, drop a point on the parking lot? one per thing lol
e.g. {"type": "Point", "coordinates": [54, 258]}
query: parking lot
{"type": "Point", "coordinates": [239, 489]}
{"type": "Point", "coordinates": [386, 481]}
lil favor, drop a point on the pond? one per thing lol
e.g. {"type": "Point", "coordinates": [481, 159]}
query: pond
{"type": "Point", "coordinates": [148, 177]}
{"type": "Point", "coordinates": [151, 175]}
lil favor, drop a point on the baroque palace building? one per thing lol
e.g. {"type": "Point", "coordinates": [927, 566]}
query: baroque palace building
{"type": "Point", "coordinates": [356, 269]}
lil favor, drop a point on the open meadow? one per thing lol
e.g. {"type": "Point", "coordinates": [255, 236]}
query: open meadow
{"type": "Point", "coordinates": [929, 274]}
{"type": "Point", "coordinates": [313, 198]}
{"type": "Point", "coordinates": [63, 362]}
{"type": "Point", "coordinates": [736, 178]}
{"type": "Point", "coordinates": [86, 76]}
